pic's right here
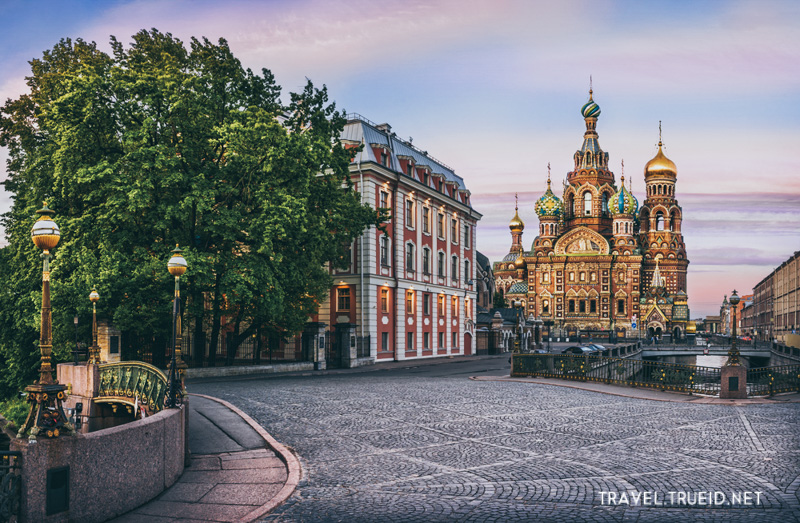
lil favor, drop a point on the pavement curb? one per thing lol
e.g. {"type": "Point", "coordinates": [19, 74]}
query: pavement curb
{"type": "Point", "coordinates": [676, 397]}
{"type": "Point", "coordinates": [293, 466]}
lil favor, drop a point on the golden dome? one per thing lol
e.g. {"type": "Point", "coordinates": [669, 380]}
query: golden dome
{"type": "Point", "coordinates": [660, 165]}
{"type": "Point", "coordinates": [516, 222]}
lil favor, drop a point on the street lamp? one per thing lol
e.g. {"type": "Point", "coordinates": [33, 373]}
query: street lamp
{"type": "Point", "coordinates": [176, 266]}
{"type": "Point", "coordinates": [733, 353]}
{"type": "Point", "coordinates": [46, 416]}
{"type": "Point", "coordinates": [518, 311]}
{"type": "Point", "coordinates": [94, 351]}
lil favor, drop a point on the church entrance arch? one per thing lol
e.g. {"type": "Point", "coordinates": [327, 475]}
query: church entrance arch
{"type": "Point", "coordinates": [655, 330]}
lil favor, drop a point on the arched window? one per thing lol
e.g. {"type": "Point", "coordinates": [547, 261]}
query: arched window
{"type": "Point", "coordinates": [605, 202]}
{"type": "Point", "coordinates": [545, 307]}
{"type": "Point", "coordinates": [467, 275]}
{"type": "Point", "coordinates": [659, 221]}
{"type": "Point", "coordinates": [587, 203]}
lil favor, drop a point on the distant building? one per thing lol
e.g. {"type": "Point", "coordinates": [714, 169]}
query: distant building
{"type": "Point", "coordinates": [409, 293]}
{"type": "Point", "coordinates": [776, 300]}
{"type": "Point", "coordinates": [600, 262]}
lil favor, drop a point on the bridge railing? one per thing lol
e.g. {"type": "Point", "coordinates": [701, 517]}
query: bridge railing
{"type": "Point", "coordinates": [637, 373]}
{"type": "Point", "coordinates": [766, 381]}
{"type": "Point", "coordinates": [10, 484]}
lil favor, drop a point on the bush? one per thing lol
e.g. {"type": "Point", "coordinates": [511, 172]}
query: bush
{"type": "Point", "coordinates": [15, 410]}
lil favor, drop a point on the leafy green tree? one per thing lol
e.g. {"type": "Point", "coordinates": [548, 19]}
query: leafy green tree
{"type": "Point", "coordinates": [499, 301]}
{"type": "Point", "coordinates": [158, 144]}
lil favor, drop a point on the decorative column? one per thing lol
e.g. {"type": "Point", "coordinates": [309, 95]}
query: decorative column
{"type": "Point", "coordinates": [46, 416]}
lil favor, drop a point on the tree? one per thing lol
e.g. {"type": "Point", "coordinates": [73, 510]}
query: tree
{"type": "Point", "coordinates": [499, 301]}
{"type": "Point", "coordinates": [157, 144]}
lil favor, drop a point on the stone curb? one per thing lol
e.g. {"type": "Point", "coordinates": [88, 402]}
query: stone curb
{"type": "Point", "coordinates": [292, 463]}
{"type": "Point", "coordinates": [677, 397]}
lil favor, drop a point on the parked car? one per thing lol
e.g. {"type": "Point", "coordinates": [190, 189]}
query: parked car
{"type": "Point", "coordinates": [596, 346]}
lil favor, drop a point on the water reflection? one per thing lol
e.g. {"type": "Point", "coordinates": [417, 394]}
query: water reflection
{"type": "Point", "coordinates": [711, 361]}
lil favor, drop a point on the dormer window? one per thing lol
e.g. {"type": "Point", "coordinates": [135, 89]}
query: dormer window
{"type": "Point", "coordinates": [384, 158]}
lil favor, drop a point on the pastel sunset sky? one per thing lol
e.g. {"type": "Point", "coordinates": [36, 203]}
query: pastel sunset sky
{"type": "Point", "coordinates": [494, 89]}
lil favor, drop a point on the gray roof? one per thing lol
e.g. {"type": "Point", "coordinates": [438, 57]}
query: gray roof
{"type": "Point", "coordinates": [359, 129]}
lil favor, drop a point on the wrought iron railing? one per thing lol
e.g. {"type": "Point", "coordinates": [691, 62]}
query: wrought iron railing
{"type": "Point", "coordinates": [765, 381]}
{"type": "Point", "coordinates": [128, 381]}
{"type": "Point", "coordinates": [631, 372]}
{"type": "Point", "coordinates": [10, 484]}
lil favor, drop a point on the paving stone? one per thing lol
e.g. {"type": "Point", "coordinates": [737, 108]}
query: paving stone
{"type": "Point", "coordinates": [407, 448]}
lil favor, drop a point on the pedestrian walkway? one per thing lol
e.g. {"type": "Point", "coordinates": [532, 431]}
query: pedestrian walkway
{"type": "Point", "coordinates": [238, 472]}
{"type": "Point", "coordinates": [645, 393]}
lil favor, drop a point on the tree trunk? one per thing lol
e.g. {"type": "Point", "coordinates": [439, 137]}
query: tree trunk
{"type": "Point", "coordinates": [215, 316]}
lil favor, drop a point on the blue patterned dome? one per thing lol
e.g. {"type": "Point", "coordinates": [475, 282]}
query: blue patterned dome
{"type": "Point", "coordinates": [549, 204]}
{"type": "Point", "coordinates": [590, 108]}
{"type": "Point", "coordinates": [623, 202]}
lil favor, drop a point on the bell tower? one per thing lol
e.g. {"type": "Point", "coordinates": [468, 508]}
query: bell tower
{"type": "Point", "coordinates": [660, 224]}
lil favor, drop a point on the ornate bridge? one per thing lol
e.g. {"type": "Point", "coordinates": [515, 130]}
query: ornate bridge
{"type": "Point", "coordinates": [126, 382]}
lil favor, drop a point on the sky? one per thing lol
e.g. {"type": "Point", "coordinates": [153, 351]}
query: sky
{"type": "Point", "coordinates": [494, 90]}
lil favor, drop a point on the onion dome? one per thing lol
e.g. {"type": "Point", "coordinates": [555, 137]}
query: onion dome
{"type": "Point", "coordinates": [590, 109]}
{"type": "Point", "coordinates": [623, 202]}
{"type": "Point", "coordinates": [549, 204]}
{"type": "Point", "coordinates": [660, 165]}
{"type": "Point", "coordinates": [516, 223]}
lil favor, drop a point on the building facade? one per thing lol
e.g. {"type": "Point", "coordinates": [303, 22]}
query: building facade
{"type": "Point", "coordinates": [409, 290]}
{"type": "Point", "coordinates": [776, 300]}
{"type": "Point", "coordinates": [599, 261]}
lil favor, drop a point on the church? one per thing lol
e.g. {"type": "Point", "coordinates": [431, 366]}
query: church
{"type": "Point", "coordinates": [601, 263]}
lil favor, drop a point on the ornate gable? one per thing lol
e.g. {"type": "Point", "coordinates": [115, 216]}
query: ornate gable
{"type": "Point", "coordinates": [582, 241]}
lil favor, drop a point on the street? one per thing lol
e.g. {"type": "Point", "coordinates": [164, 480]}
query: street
{"type": "Point", "coordinates": [420, 441]}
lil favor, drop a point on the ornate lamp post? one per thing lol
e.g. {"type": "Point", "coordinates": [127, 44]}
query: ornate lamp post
{"type": "Point", "coordinates": [46, 416]}
{"type": "Point", "coordinates": [177, 266]}
{"type": "Point", "coordinates": [94, 351]}
{"type": "Point", "coordinates": [733, 353]}
{"type": "Point", "coordinates": [518, 312]}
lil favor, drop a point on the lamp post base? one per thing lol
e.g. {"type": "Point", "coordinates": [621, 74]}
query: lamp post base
{"type": "Point", "coordinates": [46, 417]}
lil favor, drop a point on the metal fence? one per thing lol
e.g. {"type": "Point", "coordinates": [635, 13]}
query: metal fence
{"type": "Point", "coordinates": [773, 380]}
{"type": "Point", "coordinates": [10, 484]}
{"type": "Point", "coordinates": [631, 372]}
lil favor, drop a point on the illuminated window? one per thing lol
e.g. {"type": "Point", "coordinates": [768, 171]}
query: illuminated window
{"type": "Point", "coordinates": [454, 304]}
{"type": "Point", "coordinates": [441, 305]}
{"type": "Point", "coordinates": [384, 300]}
{"type": "Point", "coordinates": [409, 302]}
{"type": "Point", "coordinates": [343, 299]}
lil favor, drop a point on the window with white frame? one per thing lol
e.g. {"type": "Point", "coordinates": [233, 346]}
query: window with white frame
{"type": "Point", "coordinates": [454, 268]}
{"type": "Point", "coordinates": [440, 265]}
{"type": "Point", "coordinates": [385, 251]}
{"type": "Point", "coordinates": [454, 229]}
{"type": "Point", "coordinates": [410, 211]}
{"type": "Point", "coordinates": [426, 219]}
{"type": "Point", "coordinates": [410, 257]}
{"type": "Point", "coordinates": [426, 260]}
{"type": "Point", "coordinates": [467, 238]}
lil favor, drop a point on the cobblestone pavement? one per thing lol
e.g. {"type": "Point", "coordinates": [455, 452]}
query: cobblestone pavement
{"type": "Point", "coordinates": [404, 448]}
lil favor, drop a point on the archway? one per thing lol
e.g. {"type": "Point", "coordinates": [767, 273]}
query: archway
{"type": "Point", "coordinates": [676, 334]}
{"type": "Point", "coordinates": [467, 344]}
